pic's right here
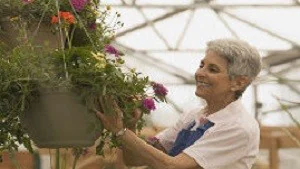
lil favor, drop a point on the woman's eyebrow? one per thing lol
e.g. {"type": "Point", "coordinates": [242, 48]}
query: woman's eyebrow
{"type": "Point", "coordinates": [215, 66]}
{"type": "Point", "coordinates": [210, 64]}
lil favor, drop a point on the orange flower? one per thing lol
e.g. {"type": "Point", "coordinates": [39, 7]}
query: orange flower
{"type": "Point", "coordinates": [71, 19]}
{"type": "Point", "coordinates": [66, 16]}
{"type": "Point", "coordinates": [54, 20]}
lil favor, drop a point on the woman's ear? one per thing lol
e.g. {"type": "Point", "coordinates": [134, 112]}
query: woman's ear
{"type": "Point", "coordinates": [239, 83]}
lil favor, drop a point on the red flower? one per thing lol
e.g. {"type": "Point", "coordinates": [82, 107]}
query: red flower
{"type": "Point", "coordinates": [71, 19]}
{"type": "Point", "coordinates": [54, 20]}
{"type": "Point", "coordinates": [93, 26]}
{"type": "Point", "coordinates": [159, 89]}
{"type": "Point", "coordinates": [149, 104]}
{"type": "Point", "coordinates": [66, 16]}
{"type": "Point", "coordinates": [111, 50]}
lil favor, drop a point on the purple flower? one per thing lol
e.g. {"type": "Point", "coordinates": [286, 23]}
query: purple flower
{"type": "Point", "coordinates": [85, 151]}
{"type": "Point", "coordinates": [79, 4]}
{"type": "Point", "coordinates": [93, 26]}
{"type": "Point", "coordinates": [27, 1]}
{"type": "Point", "coordinates": [159, 89]}
{"type": "Point", "coordinates": [111, 50]}
{"type": "Point", "coordinates": [149, 104]}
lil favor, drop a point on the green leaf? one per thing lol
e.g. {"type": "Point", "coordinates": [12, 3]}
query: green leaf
{"type": "Point", "coordinates": [27, 144]}
{"type": "Point", "coordinates": [103, 90]}
{"type": "Point", "coordinates": [99, 148]}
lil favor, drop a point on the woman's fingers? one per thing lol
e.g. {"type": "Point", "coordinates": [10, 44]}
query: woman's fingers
{"type": "Point", "coordinates": [99, 114]}
{"type": "Point", "coordinates": [117, 109]}
{"type": "Point", "coordinates": [137, 113]}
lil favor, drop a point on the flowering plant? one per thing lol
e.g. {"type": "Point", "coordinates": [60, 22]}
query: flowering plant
{"type": "Point", "coordinates": [89, 66]}
{"type": "Point", "coordinates": [34, 10]}
{"type": "Point", "coordinates": [82, 20]}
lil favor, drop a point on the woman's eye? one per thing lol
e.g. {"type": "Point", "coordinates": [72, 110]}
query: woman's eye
{"type": "Point", "coordinates": [214, 70]}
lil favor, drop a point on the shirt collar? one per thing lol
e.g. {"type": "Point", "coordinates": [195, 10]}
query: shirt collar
{"type": "Point", "coordinates": [229, 113]}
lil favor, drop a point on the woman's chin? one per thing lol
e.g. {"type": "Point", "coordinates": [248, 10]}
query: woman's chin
{"type": "Point", "coordinates": [199, 94]}
{"type": "Point", "coordinates": [203, 94]}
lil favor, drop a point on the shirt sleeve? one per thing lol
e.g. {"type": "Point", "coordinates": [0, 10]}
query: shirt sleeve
{"type": "Point", "coordinates": [219, 147]}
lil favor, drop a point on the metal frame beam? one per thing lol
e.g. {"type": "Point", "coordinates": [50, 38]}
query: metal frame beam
{"type": "Point", "coordinates": [262, 29]}
{"type": "Point", "coordinates": [217, 12]}
{"type": "Point", "coordinates": [145, 24]}
{"type": "Point", "coordinates": [187, 77]}
{"type": "Point", "coordinates": [203, 5]}
{"type": "Point", "coordinates": [156, 31]}
{"type": "Point", "coordinates": [186, 26]}
{"type": "Point", "coordinates": [288, 84]}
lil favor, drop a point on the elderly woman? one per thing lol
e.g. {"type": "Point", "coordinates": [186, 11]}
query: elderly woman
{"type": "Point", "coordinates": [222, 135]}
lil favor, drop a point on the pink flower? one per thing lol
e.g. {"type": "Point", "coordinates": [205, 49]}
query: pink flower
{"type": "Point", "coordinates": [27, 1]}
{"type": "Point", "coordinates": [93, 26]}
{"type": "Point", "coordinates": [149, 104]}
{"type": "Point", "coordinates": [111, 50]}
{"type": "Point", "coordinates": [79, 4]}
{"type": "Point", "coordinates": [159, 89]}
{"type": "Point", "coordinates": [85, 151]}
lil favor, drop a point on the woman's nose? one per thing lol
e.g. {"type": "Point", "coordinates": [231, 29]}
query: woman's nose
{"type": "Point", "coordinates": [200, 72]}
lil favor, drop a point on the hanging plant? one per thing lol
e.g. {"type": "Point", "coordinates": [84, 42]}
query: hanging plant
{"type": "Point", "coordinates": [90, 72]}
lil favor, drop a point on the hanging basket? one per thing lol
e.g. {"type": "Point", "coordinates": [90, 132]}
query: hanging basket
{"type": "Point", "coordinates": [41, 35]}
{"type": "Point", "coordinates": [60, 120]}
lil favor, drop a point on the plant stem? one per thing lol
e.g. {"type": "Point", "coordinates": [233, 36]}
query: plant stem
{"type": "Point", "coordinates": [41, 19]}
{"type": "Point", "coordinates": [284, 108]}
{"type": "Point", "coordinates": [72, 33]}
{"type": "Point", "coordinates": [64, 161]}
{"type": "Point", "coordinates": [295, 139]}
{"type": "Point", "coordinates": [75, 161]}
{"type": "Point", "coordinates": [51, 158]}
{"type": "Point", "coordinates": [68, 38]}
{"type": "Point", "coordinates": [57, 156]}
{"type": "Point", "coordinates": [83, 26]}
{"type": "Point", "coordinates": [62, 41]}
{"type": "Point", "coordinates": [12, 157]}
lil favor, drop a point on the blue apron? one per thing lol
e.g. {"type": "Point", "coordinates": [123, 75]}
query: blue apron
{"type": "Point", "coordinates": [187, 137]}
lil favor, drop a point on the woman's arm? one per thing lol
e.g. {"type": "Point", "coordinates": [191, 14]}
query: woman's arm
{"type": "Point", "coordinates": [147, 155]}
{"type": "Point", "coordinates": [128, 156]}
{"type": "Point", "coordinates": [150, 156]}
{"type": "Point", "coordinates": [155, 143]}
{"type": "Point", "coordinates": [131, 160]}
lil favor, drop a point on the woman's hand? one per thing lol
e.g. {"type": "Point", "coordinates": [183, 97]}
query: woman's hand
{"type": "Point", "coordinates": [112, 121]}
{"type": "Point", "coordinates": [131, 124]}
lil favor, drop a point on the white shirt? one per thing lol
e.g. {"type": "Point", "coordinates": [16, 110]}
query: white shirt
{"type": "Point", "coordinates": [232, 143]}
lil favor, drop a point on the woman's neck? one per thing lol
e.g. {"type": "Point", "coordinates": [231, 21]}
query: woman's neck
{"type": "Point", "coordinates": [214, 105]}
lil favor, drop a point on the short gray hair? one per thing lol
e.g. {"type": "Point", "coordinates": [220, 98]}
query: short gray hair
{"type": "Point", "coordinates": [243, 59]}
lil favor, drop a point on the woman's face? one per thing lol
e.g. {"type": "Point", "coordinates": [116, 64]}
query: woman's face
{"type": "Point", "coordinates": [212, 79]}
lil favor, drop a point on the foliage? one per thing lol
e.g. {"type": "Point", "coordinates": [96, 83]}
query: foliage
{"type": "Point", "coordinates": [36, 9]}
{"type": "Point", "coordinates": [93, 69]}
